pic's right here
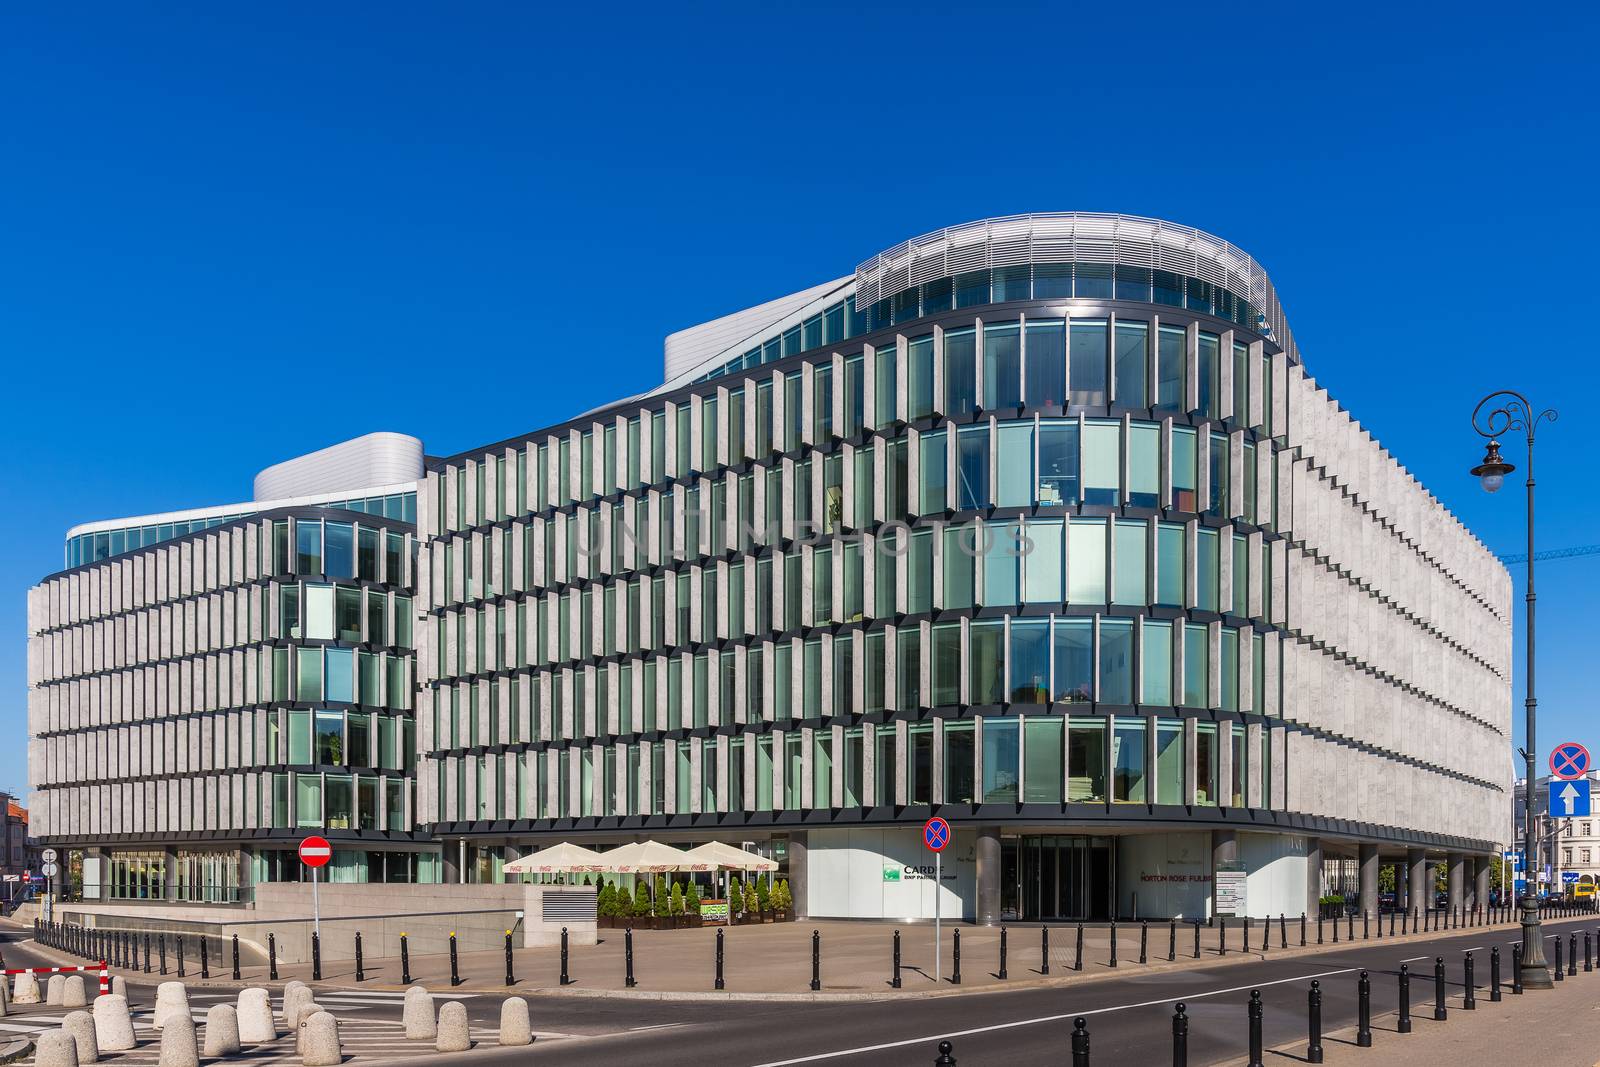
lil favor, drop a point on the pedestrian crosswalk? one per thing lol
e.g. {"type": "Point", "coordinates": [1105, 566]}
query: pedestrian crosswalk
{"type": "Point", "coordinates": [365, 1034]}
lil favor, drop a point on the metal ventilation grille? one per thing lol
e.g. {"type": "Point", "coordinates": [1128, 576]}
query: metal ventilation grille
{"type": "Point", "coordinates": [565, 906]}
{"type": "Point", "coordinates": [1068, 237]}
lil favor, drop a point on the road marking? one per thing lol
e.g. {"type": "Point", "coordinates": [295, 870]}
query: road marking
{"type": "Point", "coordinates": [657, 1026]}
{"type": "Point", "coordinates": [1414, 959]}
{"type": "Point", "coordinates": [1050, 1019]}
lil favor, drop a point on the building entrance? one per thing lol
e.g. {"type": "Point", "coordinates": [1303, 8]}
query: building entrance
{"type": "Point", "coordinates": [1060, 876]}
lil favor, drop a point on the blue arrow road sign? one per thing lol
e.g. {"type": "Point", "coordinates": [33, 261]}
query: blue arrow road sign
{"type": "Point", "coordinates": [1569, 798]}
{"type": "Point", "coordinates": [1569, 877]}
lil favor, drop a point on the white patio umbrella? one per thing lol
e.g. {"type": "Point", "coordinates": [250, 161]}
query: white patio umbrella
{"type": "Point", "coordinates": [565, 858]}
{"type": "Point", "coordinates": [650, 857]}
{"type": "Point", "coordinates": [726, 857]}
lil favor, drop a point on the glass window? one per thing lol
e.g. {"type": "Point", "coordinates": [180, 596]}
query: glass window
{"type": "Point", "coordinates": [308, 675]}
{"type": "Point", "coordinates": [1240, 584]}
{"type": "Point", "coordinates": [1144, 465]}
{"type": "Point", "coordinates": [1011, 283]}
{"type": "Point", "coordinates": [958, 560]}
{"type": "Point", "coordinates": [1228, 664]}
{"type": "Point", "coordinates": [1045, 364]}
{"type": "Point", "coordinates": [1086, 562]}
{"type": "Point", "coordinates": [299, 738]}
{"type": "Point", "coordinates": [1116, 661]}
{"type": "Point", "coordinates": [1248, 467]}
{"type": "Point", "coordinates": [919, 763]}
{"type": "Point", "coordinates": [1001, 564]}
{"type": "Point", "coordinates": [1210, 346]}
{"type": "Point", "coordinates": [919, 367]}
{"type": "Point", "coordinates": [307, 547]}
{"type": "Point", "coordinates": [959, 762]}
{"type": "Point", "coordinates": [1086, 760]}
{"type": "Point", "coordinates": [1087, 374]}
{"type": "Point", "coordinates": [1205, 763]}
{"type": "Point", "coordinates": [1128, 571]}
{"type": "Point", "coordinates": [1042, 771]}
{"type": "Point", "coordinates": [935, 474]}
{"type": "Point", "coordinates": [1030, 661]}
{"type": "Point", "coordinates": [347, 614]}
{"type": "Point", "coordinates": [1002, 758]}
{"type": "Point", "coordinates": [884, 384]}
{"type": "Point", "coordinates": [1015, 487]}
{"type": "Point", "coordinates": [822, 769]}
{"type": "Point", "coordinates": [919, 573]}
{"type": "Point", "coordinates": [1131, 364]}
{"type": "Point", "coordinates": [1155, 663]}
{"type": "Point", "coordinates": [1052, 280]}
{"type": "Point", "coordinates": [986, 662]}
{"type": "Point", "coordinates": [1074, 668]}
{"type": "Point", "coordinates": [1169, 368]}
{"type": "Point", "coordinates": [1093, 280]}
{"type": "Point", "coordinates": [1184, 478]}
{"type": "Point", "coordinates": [1241, 764]}
{"type": "Point", "coordinates": [1002, 365]}
{"type": "Point", "coordinates": [339, 550]}
{"type": "Point", "coordinates": [1058, 462]}
{"type": "Point", "coordinates": [1206, 570]}
{"type": "Point", "coordinates": [972, 288]}
{"type": "Point", "coordinates": [1042, 564]}
{"type": "Point", "coordinates": [341, 685]}
{"type": "Point", "coordinates": [329, 740]}
{"type": "Point", "coordinates": [946, 664]}
{"type": "Point", "coordinates": [1128, 761]}
{"type": "Point", "coordinates": [936, 296]}
{"type": "Point", "coordinates": [1133, 283]}
{"type": "Point", "coordinates": [1102, 462]}
{"type": "Point", "coordinates": [1217, 496]}
{"type": "Point", "coordinates": [972, 468]}
{"type": "Point", "coordinates": [1169, 761]}
{"type": "Point", "coordinates": [960, 372]}
{"type": "Point", "coordinates": [308, 800]}
{"type": "Point", "coordinates": [1196, 667]}
{"type": "Point", "coordinates": [908, 668]}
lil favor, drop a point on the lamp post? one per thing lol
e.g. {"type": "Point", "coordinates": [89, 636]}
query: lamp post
{"type": "Point", "coordinates": [1508, 411]}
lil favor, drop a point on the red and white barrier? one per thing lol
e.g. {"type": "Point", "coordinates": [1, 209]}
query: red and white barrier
{"type": "Point", "coordinates": [101, 967]}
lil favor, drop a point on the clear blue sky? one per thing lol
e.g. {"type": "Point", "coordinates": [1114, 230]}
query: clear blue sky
{"type": "Point", "coordinates": [229, 236]}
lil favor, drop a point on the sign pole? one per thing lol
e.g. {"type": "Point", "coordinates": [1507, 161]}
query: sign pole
{"type": "Point", "coordinates": [938, 942]}
{"type": "Point", "coordinates": [316, 906]}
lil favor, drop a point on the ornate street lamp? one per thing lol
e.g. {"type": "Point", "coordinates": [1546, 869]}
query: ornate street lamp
{"type": "Point", "coordinates": [1509, 411]}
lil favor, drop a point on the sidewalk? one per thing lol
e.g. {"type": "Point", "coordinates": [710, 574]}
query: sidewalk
{"type": "Point", "coordinates": [1554, 1028]}
{"type": "Point", "coordinates": [773, 961]}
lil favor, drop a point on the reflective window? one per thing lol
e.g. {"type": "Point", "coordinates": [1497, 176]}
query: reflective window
{"type": "Point", "coordinates": [1045, 364]}
{"type": "Point", "coordinates": [935, 474]}
{"type": "Point", "coordinates": [1086, 562]}
{"type": "Point", "coordinates": [1205, 762]}
{"type": "Point", "coordinates": [308, 547]}
{"type": "Point", "coordinates": [1058, 462]}
{"type": "Point", "coordinates": [1128, 585]}
{"type": "Point", "coordinates": [1030, 661]}
{"type": "Point", "coordinates": [1042, 564]}
{"type": "Point", "coordinates": [919, 368]}
{"type": "Point", "coordinates": [1074, 667]}
{"type": "Point", "coordinates": [1206, 570]}
{"type": "Point", "coordinates": [1002, 365]}
{"type": "Point", "coordinates": [1042, 771]}
{"type": "Point", "coordinates": [339, 550]}
{"type": "Point", "coordinates": [1169, 761]}
{"type": "Point", "coordinates": [960, 372]}
{"type": "Point", "coordinates": [1102, 462]}
{"type": "Point", "coordinates": [1087, 374]}
{"type": "Point", "coordinates": [1184, 476]}
{"type": "Point", "coordinates": [1144, 465]}
{"type": "Point", "coordinates": [958, 555]}
{"type": "Point", "coordinates": [1015, 487]}
{"type": "Point", "coordinates": [1002, 564]}
{"type": "Point", "coordinates": [986, 643]}
{"type": "Point", "coordinates": [1002, 760]}
{"type": "Point", "coordinates": [1241, 764]}
{"type": "Point", "coordinates": [1086, 760]}
{"type": "Point", "coordinates": [1196, 667]}
{"type": "Point", "coordinates": [1155, 663]}
{"type": "Point", "coordinates": [959, 762]}
{"type": "Point", "coordinates": [1169, 565]}
{"type": "Point", "coordinates": [1116, 661]}
{"type": "Point", "coordinates": [919, 763]}
{"type": "Point", "coordinates": [1169, 368]}
{"type": "Point", "coordinates": [1210, 346]}
{"type": "Point", "coordinates": [946, 648]}
{"type": "Point", "coordinates": [1128, 761]}
{"type": "Point", "coordinates": [1217, 493]}
{"type": "Point", "coordinates": [972, 468]}
{"type": "Point", "coordinates": [1130, 364]}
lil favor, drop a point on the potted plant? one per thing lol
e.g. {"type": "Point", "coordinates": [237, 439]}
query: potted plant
{"type": "Point", "coordinates": [764, 898]}
{"type": "Point", "coordinates": [691, 907]}
{"type": "Point", "coordinates": [641, 905]}
{"type": "Point", "coordinates": [752, 904]}
{"type": "Point", "coordinates": [675, 904]}
{"type": "Point", "coordinates": [735, 898]}
{"type": "Point", "coordinates": [661, 904]}
{"type": "Point", "coordinates": [782, 902]}
{"type": "Point", "coordinates": [605, 904]}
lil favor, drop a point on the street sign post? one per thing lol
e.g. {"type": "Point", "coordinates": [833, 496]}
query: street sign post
{"type": "Point", "coordinates": [1569, 877]}
{"type": "Point", "coordinates": [48, 856]}
{"type": "Point", "coordinates": [315, 852]}
{"type": "Point", "coordinates": [1569, 760]}
{"type": "Point", "coordinates": [1568, 799]}
{"type": "Point", "coordinates": [936, 835]}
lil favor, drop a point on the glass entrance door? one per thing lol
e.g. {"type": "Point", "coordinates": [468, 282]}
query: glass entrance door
{"type": "Point", "coordinates": [1065, 877]}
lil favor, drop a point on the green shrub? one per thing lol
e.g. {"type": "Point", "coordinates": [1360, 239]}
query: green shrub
{"type": "Point", "coordinates": [605, 901]}
{"type": "Point", "coordinates": [675, 904]}
{"type": "Point", "coordinates": [735, 894]}
{"type": "Point", "coordinates": [752, 899]}
{"type": "Point", "coordinates": [691, 900]}
{"type": "Point", "coordinates": [781, 900]}
{"type": "Point", "coordinates": [660, 897]}
{"type": "Point", "coordinates": [641, 899]}
{"type": "Point", "coordinates": [763, 893]}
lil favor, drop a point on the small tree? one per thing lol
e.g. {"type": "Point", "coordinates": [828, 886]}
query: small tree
{"type": "Point", "coordinates": [675, 905]}
{"type": "Point", "coordinates": [660, 895]}
{"type": "Point", "coordinates": [691, 900]}
{"type": "Point", "coordinates": [605, 901]}
{"type": "Point", "coordinates": [735, 895]}
{"type": "Point", "coordinates": [781, 900]}
{"type": "Point", "coordinates": [752, 900]}
{"type": "Point", "coordinates": [641, 899]}
{"type": "Point", "coordinates": [763, 894]}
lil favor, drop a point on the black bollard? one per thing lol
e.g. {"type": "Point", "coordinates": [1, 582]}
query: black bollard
{"type": "Point", "coordinates": [566, 979]}
{"type": "Point", "coordinates": [272, 955]}
{"type": "Point", "coordinates": [1113, 943]}
{"type": "Point", "coordinates": [717, 983]}
{"type": "Point", "coordinates": [1364, 1011]}
{"type": "Point", "coordinates": [1002, 974]}
{"type": "Point", "coordinates": [1197, 939]}
{"type": "Point", "coordinates": [816, 961]}
{"type": "Point", "coordinates": [1283, 931]}
{"type": "Point", "coordinates": [1077, 955]}
{"type": "Point", "coordinates": [1314, 1023]}
{"type": "Point", "coordinates": [1470, 1001]}
{"type": "Point", "coordinates": [455, 973]}
{"type": "Point", "coordinates": [894, 974]}
{"type": "Point", "coordinates": [1403, 1025]}
{"type": "Point", "coordinates": [1319, 927]}
{"type": "Point", "coordinates": [945, 1058]}
{"type": "Point", "coordinates": [235, 957]}
{"type": "Point", "coordinates": [180, 955]}
{"type": "Point", "coordinates": [1172, 941]}
{"type": "Point", "coordinates": [1516, 970]}
{"type": "Point", "coordinates": [161, 943]}
{"type": "Point", "coordinates": [147, 952]}
{"type": "Point", "coordinates": [1255, 1028]}
{"type": "Point", "coordinates": [1350, 922]}
{"type": "Point", "coordinates": [1587, 967]}
{"type": "Point", "coordinates": [361, 971]}
{"type": "Point", "coordinates": [1366, 925]}
{"type": "Point", "coordinates": [511, 974]}
{"type": "Point", "coordinates": [1044, 950]}
{"type": "Point", "coordinates": [1302, 929]}
{"type": "Point", "coordinates": [1572, 955]}
{"type": "Point", "coordinates": [1180, 1037]}
{"type": "Point", "coordinates": [316, 957]}
{"type": "Point", "coordinates": [405, 961]}
{"type": "Point", "coordinates": [627, 955]}
{"type": "Point", "coordinates": [1438, 989]}
{"type": "Point", "coordinates": [205, 959]}
{"type": "Point", "coordinates": [1144, 941]}
{"type": "Point", "coordinates": [1556, 974]}
{"type": "Point", "coordinates": [1266, 934]}
{"type": "Point", "coordinates": [1494, 975]}
{"type": "Point", "coordinates": [955, 958]}
{"type": "Point", "coordinates": [1080, 1043]}
{"type": "Point", "coordinates": [1222, 936]}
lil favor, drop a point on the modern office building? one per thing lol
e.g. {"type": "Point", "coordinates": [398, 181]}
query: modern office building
{"type": "Point", "coordinates": [208, 686]}
{"type": "Point", "coordinates": [1039, 524]}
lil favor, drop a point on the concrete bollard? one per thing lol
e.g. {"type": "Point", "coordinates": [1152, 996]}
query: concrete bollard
{"type": "Point", "coordinates": [418, 1015]}
{"type": "Point", "coordinates": [80, 1024]}
{"type": "Point", "coordinates": [306, 1010]}
{"type": "Point", "coordinates": [54, 987]}
{"type": "Point", "coordinates": [222, 1030]}
{"type": "Point", "coordinates": [25, 988]}
{"type": "Point", "coordinates": [319, 1041]}
{"type": "Point", "coordinates": [119, 986]}
{"type": "Point", "coordinates": [515, 1026]}
{"type": "Point", "coordinates": [73, 994]}
{"type": "Point", "coordinates": [178, 1045]}
{"type": "Point", "coordinates": [453, 1033]}
{"type": "Point", "coordinates": [172, 1002]}
{"type": "Point", "coordinates": [5, 998]}
{"type": "Point", "coordinates": [294, 993]}
{"type": "Point", "coordinates": [113, 1026]}
{"type": "Point", "coordinates": [256, 1022]}
{"type": "Point", "coordinates": [55, 1048]}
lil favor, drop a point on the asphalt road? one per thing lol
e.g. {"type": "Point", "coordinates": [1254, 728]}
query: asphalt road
{"type": "Point", "coordinates": [1129, 1017]}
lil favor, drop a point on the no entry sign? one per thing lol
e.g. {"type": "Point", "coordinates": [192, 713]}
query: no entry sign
{"type": "Point", "coordinates": [1570, 760]}
{"type": "Point", "coordinates": [315, 852]}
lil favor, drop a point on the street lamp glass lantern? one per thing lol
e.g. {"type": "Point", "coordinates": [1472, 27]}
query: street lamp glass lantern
{"type": "Point", "coordinates": [1493, 470]}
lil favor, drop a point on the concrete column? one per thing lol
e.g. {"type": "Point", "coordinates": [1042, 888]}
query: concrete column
{"type": "Point", "coordinates": [452, 869]}
{"type": "Point", "coordinates": [1369, 879]}
{"type": "Point", "coordinates": [1224, 849]}
{"type": "Point", "coordinates": [1417, 889]}
{"type": "Point", "coordinates": [1457, 882]}
{"type": "Point", "coordinates": [169, 874]}
{"type": "Point", "coordinates": [799, 851]}
{"type": "Point", "coordinates": [1313, 875]}
{"type": "Point", "coordinates": [1480, 888]}
{"type": "Point", "coordinates": [988, 854]}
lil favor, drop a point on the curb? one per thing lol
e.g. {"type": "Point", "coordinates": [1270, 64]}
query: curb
{"type": "Point", "coordinates": [12, 1051]}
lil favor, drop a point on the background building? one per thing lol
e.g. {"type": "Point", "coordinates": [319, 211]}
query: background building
{"type": "Point", "coordinates": [1036, 523]}
{"type": "Point", "coordinates": [1561, 844]}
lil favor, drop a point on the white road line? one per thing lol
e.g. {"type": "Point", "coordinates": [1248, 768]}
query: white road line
{"type": "Point", "coordinates": [657, 1026]}
{"type": "Point", "coordinates": [1050, 1019]}
{"type": "Point", "coordinates": [1414, 959]}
